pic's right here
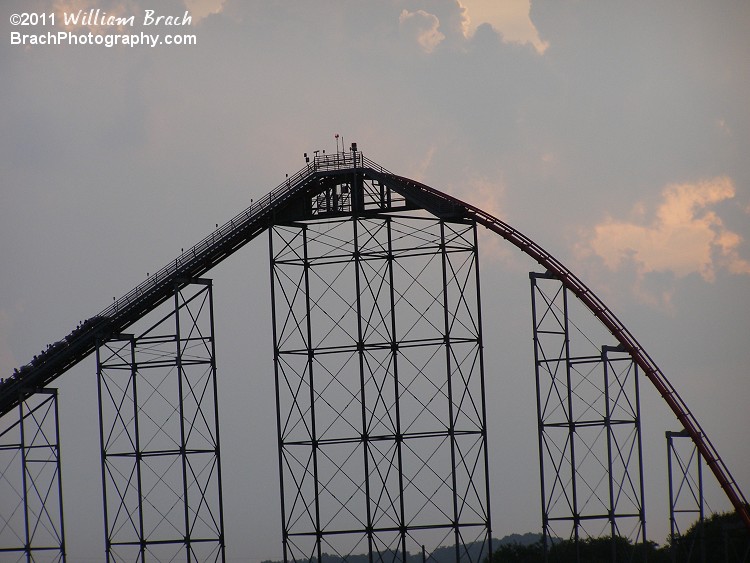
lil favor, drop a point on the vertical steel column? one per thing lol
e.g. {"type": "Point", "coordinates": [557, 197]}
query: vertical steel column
{"type": "Point", "coordinates": [394, 358]}
{"type": "Point", "coordinates": [362, 378]}
{"type": "Point", "coordinates": [591, 401]}
{"type": "Point", "coordinates": [217, 440]}
{"type": "Point", "coordinates": [277, 390]}
{"type": "Point", "coordinates": [31, 514]}
{"type": "Point", "coordinates": [571, 425]}
{"type": "Point", "coordinates": [449, 379]}
{"type": "Point", "coordinates": [483, 395]}
{"type": "Point", "coordinates": [384, 449]}
{"type": "Point", "coordinates": [539, 418]}
{"type": "Point", "coordinates": [181, 411]}
{"type": "Point", "coordinates": [159, 433]}
{"type": "Point", "coordinates": [611, 483]}
{"type": "Point", "coordinates": [311, 373]}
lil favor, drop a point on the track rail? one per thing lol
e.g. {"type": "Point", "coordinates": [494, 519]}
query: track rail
{"type": "Point", "coordinates": [613, 324]}
{"type": "Point", "coordinates": [234, 234]}
{"type": "Point", "coordinates": [157, 288]}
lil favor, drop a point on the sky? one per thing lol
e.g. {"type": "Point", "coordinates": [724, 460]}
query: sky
{"type": "Point", "coordinates": [614, 134]}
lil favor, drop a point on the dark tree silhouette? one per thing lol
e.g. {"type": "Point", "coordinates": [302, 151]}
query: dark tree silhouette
{"type": "Point", "coordinates": [722, 538]}
{"type": "Point", "coordinates": [590, 550]}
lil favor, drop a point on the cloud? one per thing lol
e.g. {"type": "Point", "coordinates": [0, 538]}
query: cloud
{"type": "Point", "coordinates": [510, 18]}
{"type": "Point", "coordinates": [89, 16]}
{"type": "Point", "coordinates": [685, 236]}
{"type": "Point", "coordinates": [723, 126]}
{"type": "Point", "coordinates": [420, 169]}
{"type": "Point", "coordinates": [201, 9]}
{"type": "Point", "coordinates": [423, 27]}
{"type": "Point", "coordinates": [488, 195]}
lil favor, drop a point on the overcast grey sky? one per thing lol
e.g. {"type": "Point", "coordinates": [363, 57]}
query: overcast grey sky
{"type": "Point", "coordinates": [615, 134]}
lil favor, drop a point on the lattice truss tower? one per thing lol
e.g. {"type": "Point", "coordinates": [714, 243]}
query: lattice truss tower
{"type": "Point", "coordinates": [379, 383]}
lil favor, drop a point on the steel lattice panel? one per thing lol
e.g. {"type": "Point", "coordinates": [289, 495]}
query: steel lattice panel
{"type": "Point", "coordinates": [31, 512]}
{"type": "Point", "coordinates": [379, 387]}
{"type": "Point", "coordinates": [159, 436]}
{"type": "Point", "coordinates": [588, 410]}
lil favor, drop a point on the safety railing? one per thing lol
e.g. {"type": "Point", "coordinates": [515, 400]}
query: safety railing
{"type": "Point", "coordinates": [163, 280]}
{"type": "Point", "coordinates": [337, 161]}
{"type": "Point", "coordinates": [196, 254]}
{"type": "Point", "coordinates": [190, 263]}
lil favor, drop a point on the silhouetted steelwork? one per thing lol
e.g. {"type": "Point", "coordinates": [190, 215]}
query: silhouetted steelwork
{"type": "Point", "coordinates": [348, 185]}
{"type": "Point", "coordinates": [438, 202]}
{"type": "Point", "coordinates": [31, 509]}
{"type": "Point", "coordinates": [685, 494]}
{"type": "Point", "coordinates": [379, 380]}
{"type": "Point", "coordinates": [159, 430]}
{"type": "Point", "coordinates": [589, 429]}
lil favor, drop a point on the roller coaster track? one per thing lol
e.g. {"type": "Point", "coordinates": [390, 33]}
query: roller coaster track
{"type": "Point", "coordinates": [284, 202]}
{"type": "Point", "coordinates": [709, 453]}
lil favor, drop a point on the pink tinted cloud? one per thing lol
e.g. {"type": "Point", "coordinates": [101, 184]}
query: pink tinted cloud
{"type": "Point", "coordinates": [511, 18]}
{"type": "Point", "coordinates": [200, 9]}
{"type": "Point", "coordinates": [423, 27]}
{"type": "Point", "coordinates": [685, 237]}
{"type": "Point", "coordinates": [489, 195]}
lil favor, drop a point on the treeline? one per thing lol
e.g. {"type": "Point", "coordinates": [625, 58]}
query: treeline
{"type": "Point", "coordinates": [722, 538]}
{"type": "Point", "coordinates": [474, 552]}
{"type": "Point", "coordinates": [589, 550]}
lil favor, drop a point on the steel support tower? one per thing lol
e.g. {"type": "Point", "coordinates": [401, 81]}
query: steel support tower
{"type": "Point", "coordinates": [379, 385]}
{"type": "Point", "coordinates": [158, 412]}
{"type": "Point", "coordinates": [31, 510]}
{"type": "Point", "coordinates": [589, 427]}
{"type": "Point", "coordinates": [378, 363]}
{"type": "Point", "coordinates": [685, 473]}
